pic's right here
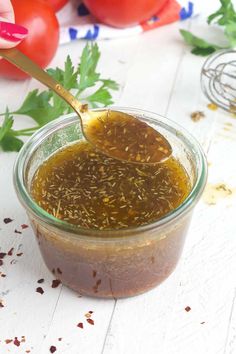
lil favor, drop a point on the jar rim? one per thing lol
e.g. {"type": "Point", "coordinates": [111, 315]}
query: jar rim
{"type": "Point", "coordinates": [36, 139]}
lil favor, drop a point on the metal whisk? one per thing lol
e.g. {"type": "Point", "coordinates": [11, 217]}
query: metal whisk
{"type": "Point", "coordinates": [218, 79]}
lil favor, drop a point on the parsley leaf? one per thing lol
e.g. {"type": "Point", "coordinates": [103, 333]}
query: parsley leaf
{"type": "Point", "coordinates": [100, 95]}
{"type": "Point", "coordinates": [46, 106]}
{"type": "Point", "coordinates": [200, 46]}
{"type": "Point", "coordinates": [8, 142]}
{"type": "Point", "coordinates": [230, 33]}
{"type": "Point", "coordinates": [7, 124]}
{"type": "Point", "coordinates": [87, 67]}
{"type": "Point", "coordinates": [111, 84]}
{"type": "Point", "coordinates": [11, 143]}
{"type": "Point", "coordinates": [68, 76]}
{"type": "Point", "coordinates": [36, 105]}
{"type": "Point", "coordinates": [225, 16]}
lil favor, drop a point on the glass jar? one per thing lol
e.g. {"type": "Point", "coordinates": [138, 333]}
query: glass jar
{"type": "Point", "coordinates": [110, 263]}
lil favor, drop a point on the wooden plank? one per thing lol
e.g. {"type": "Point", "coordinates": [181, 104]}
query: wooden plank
{"type": "Point", "coordinates": [58, 311]}
{"type": "Point", "coordinates": [230, 346]}
{"type": "Point", "coordinates": [149, 315]}
{"type": "Point", "coordinates": [207, 282]}
{"type": "Point", "coordinates": [156, 72]}
{"type": "Point", "coordinates": [176, 98]}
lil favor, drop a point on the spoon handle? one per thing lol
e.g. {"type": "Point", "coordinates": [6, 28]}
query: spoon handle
{"type": "Point", "coordinates": [17, 58]}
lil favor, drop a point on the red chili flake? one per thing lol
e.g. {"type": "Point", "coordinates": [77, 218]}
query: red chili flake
{"type": "Point", "coordinates": [1, 304]}
{"type": "Point", "coordinates": [27, 351]}
{"type": "Point", "coordinates": [59, 339]}
{"type": "Point", "coordinates": [19, 254]}
{"type": "Point", "coordinates": [2, 255]}
{"type": "Point", "coordinates": [91, 312]}
{"type": "Point", "coordinates": [59, 271]}
{"type": "Point", "coordinates": [40, 290]}
{"type": "Point", "coordinates": [7, 220]}
{"type": "Point", "coordinates": [17, 231]}
{"type": "Point", "coordinates": [7, 341]}
{"type": "Point", "coordinates": [80, 325]}
{"type": "Point", "coordinates": [53, 349]}
{"type": "Point", "coordinates": [24, 226]}
{"type": "Point", "coordinates": [90, 321]}
{"type": "Point", "coordinates": [56, 283]}
{"type": "Point", "coordinates": [40, 281]}
{"type": "Point", "coordinates": [3, 275]}
{"type": "Point", "coordinates": [1, 262]}
{"type": "Point", "coordinates": [187, 308]}
{"type": "Point", "coordinates": [10, 252]}
{"type": "Point", "coordinates": [16, 342]}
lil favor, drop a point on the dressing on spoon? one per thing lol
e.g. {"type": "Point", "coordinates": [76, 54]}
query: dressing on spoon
{"type": "Point", "coordinates": [116, 134]}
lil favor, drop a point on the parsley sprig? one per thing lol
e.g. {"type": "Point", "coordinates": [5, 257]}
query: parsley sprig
{"type": "Point", "coordinates": [225, 16]}
{"type": "Point", "coordinates": [46, 106]}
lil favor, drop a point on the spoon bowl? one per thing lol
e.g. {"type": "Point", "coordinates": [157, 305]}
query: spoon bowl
{"type": "Point", "coordinates": [114, 133]}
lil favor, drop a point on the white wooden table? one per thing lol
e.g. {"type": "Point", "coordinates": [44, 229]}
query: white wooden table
{"type": "Point", "coordinates": [156, 72]}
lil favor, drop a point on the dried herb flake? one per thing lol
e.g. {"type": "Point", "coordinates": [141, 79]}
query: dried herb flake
{"type": "Point", "coordinates": [7, 220]}
{"type": "Point", "coordinates": [40, 281]}
{"type": "Point", "coordinates": [17, 231]}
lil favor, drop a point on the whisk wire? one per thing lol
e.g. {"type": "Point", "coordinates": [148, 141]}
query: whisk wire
{"type": "Point", "coordinates": [218, 79]}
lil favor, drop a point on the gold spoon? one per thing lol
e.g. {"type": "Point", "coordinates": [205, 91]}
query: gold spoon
{"type": "Point", "coordinates": [116, 134]}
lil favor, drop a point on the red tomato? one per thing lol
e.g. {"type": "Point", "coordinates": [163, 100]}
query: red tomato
{"type": "Point", "coordinates": [42, 40]}
{"type": "Point", "coordinates": [56, 4]}
{"type": "Point", "coordinates": [124, 13]}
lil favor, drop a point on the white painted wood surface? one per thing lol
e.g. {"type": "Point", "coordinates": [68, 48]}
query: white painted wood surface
{"type": "Point", "coordinates": [156, 72]}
